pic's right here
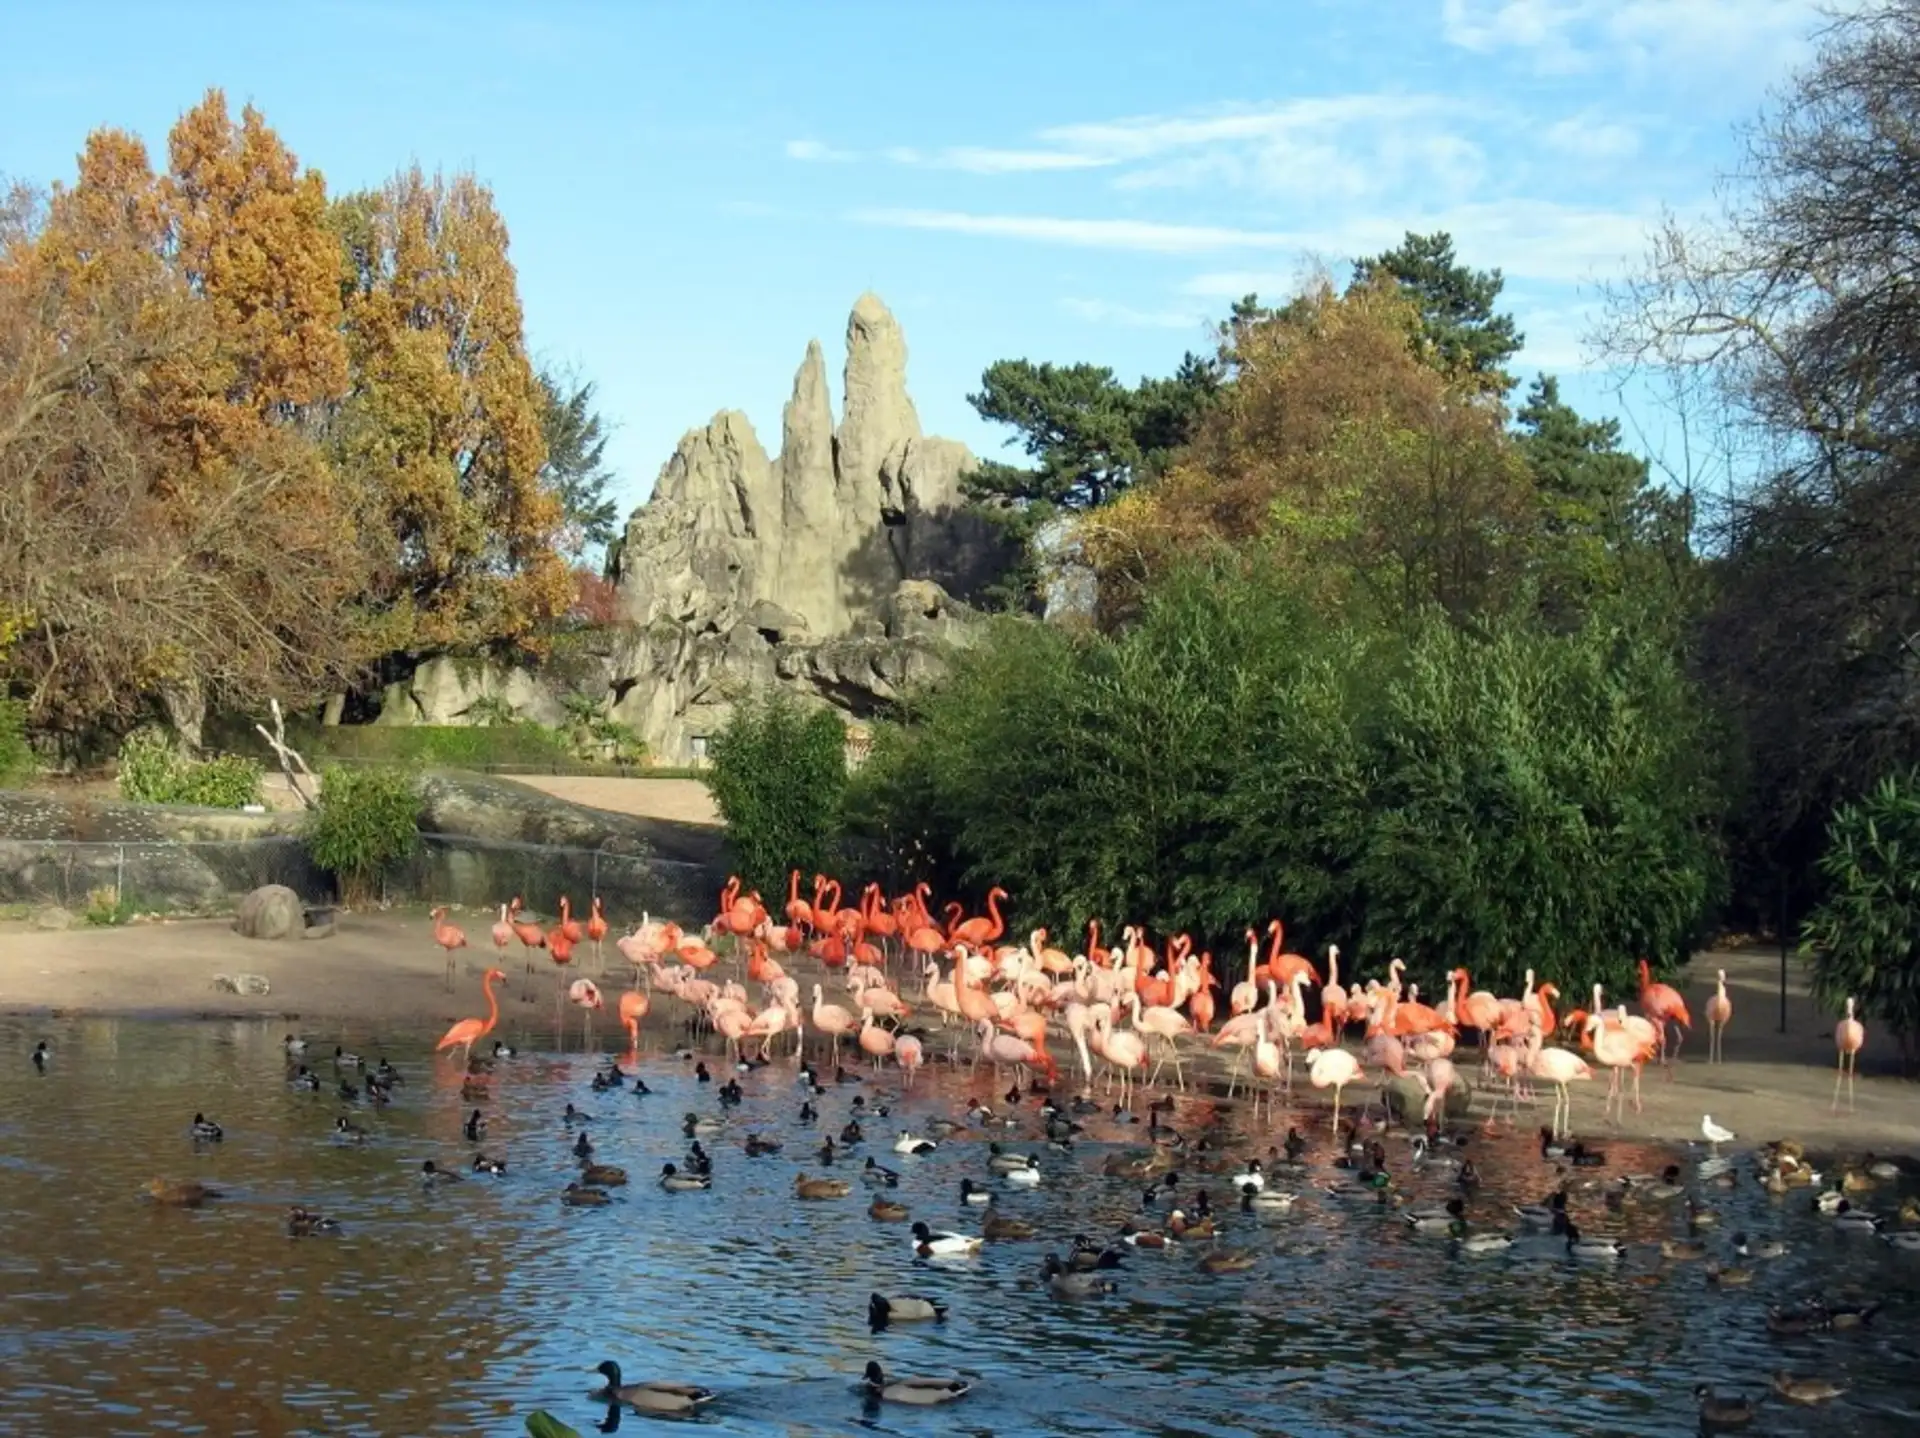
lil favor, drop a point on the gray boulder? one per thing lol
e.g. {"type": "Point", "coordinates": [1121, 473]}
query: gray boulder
{"type": "Point", "coordinates": [272, 911]}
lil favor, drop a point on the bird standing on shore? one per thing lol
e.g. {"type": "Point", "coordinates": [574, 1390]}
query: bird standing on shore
{"type": "Point", "coordinates": [1849, 1037]}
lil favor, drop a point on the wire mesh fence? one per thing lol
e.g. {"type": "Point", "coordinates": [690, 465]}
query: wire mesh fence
{"type": "Point", "coordinates": [198, 876]}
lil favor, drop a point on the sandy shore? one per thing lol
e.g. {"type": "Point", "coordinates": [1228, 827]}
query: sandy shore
{"type": "Point", "coordinates": [383, 972]}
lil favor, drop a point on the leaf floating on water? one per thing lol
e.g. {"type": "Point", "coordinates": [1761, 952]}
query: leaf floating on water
{"type": "Point", "coordinates": [543, 1424]}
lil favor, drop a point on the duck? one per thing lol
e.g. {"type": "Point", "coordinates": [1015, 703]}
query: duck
{"type": "Point", "coordinates": [573, 1115]}
{"type": "Point", "coordinates": [1180, 1226]}
{"type": "Point", "coordinates": [805, 1187]}
{"type": "Point", "coordinates": [973, 1195]}
{"type": "Point", "coordinates": [1764, 1248]}
{"type": "Point", "coordinates": [305, 1079]}
{"type": "Point", "coordinates": [1431, 1222]}
{"type": "Point", "coordinates": [696, 1127]}
{"type": "Point", "coordinates": [434, 1176]}
{"type": "Point", "coordinates": [1226, 1260]}
{"type": "Point", "coordinates": [1699, 1216]}
{"type": "Point", "coordinates": [1027, 1176]}
{"type": "Point", "coordinates": [293, 1045]}
{"type": "Point", "coordinates": [852, 1133]}
{"type": "Point", "coordinates": [1797, 1321]}
{"type": "Point", "coordinates": [994, 1225]}
{"type": "Point", "coordinates": [603, 1175]}
{"type": "Point", "coordinates": [474, 1091]}
{"type": "Point", "coordinates": [503, 1051]}
{"type": "Point", "coordinates": [344, 1060]}
{"type": "Point", "coordinates": [1722, 1413]}
{"type": "Point", "coordinates": [826, 1153]}
{"type": "Point", "coordinates": [1806, 1390]}
{"type": "Point", "coordinates": [1849, 1219]}
{"type": "Point", "coordinates": [349, 1094]}
{"type": "Point", "coordinates": [1580, 1246]}
{"type": "Point", "coordinates": [583, 1147]}
{"type": "Point", "coordinates": [1064, 1282]}
{"type": "Point", "coordinates": [653, 1396]}
{"type": "Point", "coordinates": [1724, 1277]}
{"type": "Point", "coordinates": [1267, 1200]}
{"type": "Point", "coordinates": [1682, 1249]}
{"type": "Point", "coordinates": [921, 1392]}
{"type": "Point", "coordinates": [483, 1164]}
{"type": "Point", "coordinates": [931, 1243]}
{"type": "Point", "coordinates": [1543, 1215]}
{"type": "Point", "coordinates": [904, 1308]}
{"type": "Point", "coordinates": [1880, 1168]}
{"type": "Point", "coordinates": [579, 1196]}
{"type": "Point", "coordinates": [205, 1130]}
{"type": "Point", "coordinates": [188, 1193]}
{"type": "Point", "coordinates": [1907, 1240]}
{"type": "Point", "coordinates": [886, 1210]}
{"type": "Point", "coordinates": [1252, 1176]}
{"type": "Point", "coordinates": [1849, 1315]}
{"type": "Point", "coordinates": [348, 1131]}
{"type": "Point", "coordinates": [701, 1074]}
{"type": "Point", "coordinates": [907, 1143]}
{"type": "Point", "coordinates": [1087, 1254]}
{"type": "Point", "coordinates": [475, 1127]}
{"type": "Point", "coordinates": [757, 1146]}
{"type": "Point", "coordinates": [304, 1222]}
{"type": "Point", "coordinates": [874, 1175]}
{"type": "Point", "coordinates": [674, 1181]}
{"type": "Point", "coordinates": [1485, 1242]}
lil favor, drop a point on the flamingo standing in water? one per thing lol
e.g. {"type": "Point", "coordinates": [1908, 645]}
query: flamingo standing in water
{"type": "Point", "coordinates": [831, 1019]}
{"type": "Point", "coordinates": [531, 937]}
{"type": "Point", "coordinates": [877, 1043]}
{"type": "Point", "coordinates": [586, 995]}
{"type": "Point", "coordinates": [468, 1032]}
{"type": "Point", "coordinates": [596, 931]}
{"type": "Point", "coordinates": [633, 1008]}
{"type": "Point", "coordinates": [1849, 1037]}
{"type": "Point", "coordinates": [909, 1055]}
{"type": "Point", "coordinates": [449, 937]}
{"type": "Point", "coordinates": [1719, 1015]}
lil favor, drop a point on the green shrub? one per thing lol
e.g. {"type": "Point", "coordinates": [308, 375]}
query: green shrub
{"type": "Point", "coordinates": [152, 770]}
{"type": "Point", "coordinates": [1864, 937]}
{"type": "Point", "coordinates": [779, 776]}
{"type": "Point", "coordinates": [367, 821]}
{"type": "Point", "coordinates": [1500, 799]}
{"type": "Point", "coordinates": [16, 758]}
{"type": "Point", "coordinates": [108, 908]}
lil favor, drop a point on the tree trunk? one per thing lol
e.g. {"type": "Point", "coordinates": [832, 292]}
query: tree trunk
{"type": "Point", "coordinates": [186, 705]}
{"type": "Point", "coordinates": [336, 707]}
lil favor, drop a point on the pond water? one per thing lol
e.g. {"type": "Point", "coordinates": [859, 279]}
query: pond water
{"type": "Point", "coordinates": [461, 1311]}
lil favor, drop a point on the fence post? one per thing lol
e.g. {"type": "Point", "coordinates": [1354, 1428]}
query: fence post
{"type": "Point", "coordinates": [596, 870]}
{"type": "Point", "coordinates": [119, 874]}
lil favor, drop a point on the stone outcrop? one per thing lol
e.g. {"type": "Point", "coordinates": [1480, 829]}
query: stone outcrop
{"type": "Point", "coordinates": [272, 911]}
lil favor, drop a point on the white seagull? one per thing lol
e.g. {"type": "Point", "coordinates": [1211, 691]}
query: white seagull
{"type": "Point", "coordinates": [1712, 1131]}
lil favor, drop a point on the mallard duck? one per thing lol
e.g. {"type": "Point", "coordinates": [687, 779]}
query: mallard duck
{"type": "Point", "coordinates": [579, 1196]}
{"type": "Point", "coordinates": [475, 1127]}
{"type": "Point", "coordinates": [484, 1164]}
{"type": "Point", "coordinates": [1485, 1242]}
{"type": "Point", "coordinates": [973, 1194]}
{"type": "Point", "coordinates": [1580, 1246]}
{"type": "Point", "coordinates": [305, 1080]}
{"type": "Point", "coordinates": [1806, 1390]}
{"type": "Point", "coordinates": [1830, 1201]}
{"type": "Point", "coordinates": [756, 1146]}
{"type": "Point", "coordinates": [1226, 1260]}
{"type": "Point", "coordinates": [693, 1126]}
{"type": "Point", "coordinates": [1849, 1315]}
{"type": "Point", "coordinates": [1267, 1200]}
{"type": "Point", "coordinates": [1089, 1255]}
{"type": "Point", "coordinates": [944, 1128]}
{"type": "Point", "coordinates": [993, 1225]}
{"type": "Point", "coordinates": [1764, 1248]}
{"type": "Point", "coordinates": [674, 1181]}
{"type": "Point", "coordinates": [1682, 1250]}
{"type": "Point", "coordinates": [603, 1175]}
{"type": "Point", "coordinates": [473, 1091]}
{"type": "Point", "coordinates": [304, 1222]}
{"type": "Point", "coordinates": [907, 1143]}
{"type": "Point", "coordinates": [1849, 1219]}
{"type": "Point", "coordinates": [1543, 1215]}
{"type": "Point", "coordinates": [653, 1396]}
{"type": "Point", "coordinates": [1722, 1413]}
{"type": "Point", "coordinates": [921, 1392]}
{"type": "Point", "coordinates": [1907, 1240]}
{"type": "Point", "coordinates": [1794, 1322]}
{"type": "Point", "coordinates": [294, 1046]}
{"type": "Point", "coordinates": [1724, 1277]}
{"type": "Point", "coordinates": [805, 1187]}
{"type": "Point", "coordinates": [1072, 1283]}
{"type": "Point", "coordinates": [887, 1211]}
{"type": "Point", "coordinates": [1430, 1222]}
{"type": "Point", "coordinates": [875, 1176]}
{"type": "Point", "coordinates": [344, 1060]}
{"type": "Point", "coordinates": [1909, 1215]}
{"type": "Point", "coordinates": [931, 1243]}
{"type": "Point", "coordinates": [1857, 1180]}
{"type": "Point", "coordinates": [852, 1133]}
{"type": "Point", "coordinates": [348, 1131]}
{"type": "Point", "coordinates": [904, 1308]}
{"type": "Point", "coordinates": [434, 1176]}
{"type": "Point", "coordinates": [205, 1130]}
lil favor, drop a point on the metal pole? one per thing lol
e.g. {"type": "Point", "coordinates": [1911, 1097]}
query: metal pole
{"type": "Point", "coordinates": [1784, 944]}
{"type": "Point", "coordinates": [119, 874]}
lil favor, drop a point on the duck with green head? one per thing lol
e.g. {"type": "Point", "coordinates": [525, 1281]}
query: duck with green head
{"type": "Point", "coordinates": [652, 1396]}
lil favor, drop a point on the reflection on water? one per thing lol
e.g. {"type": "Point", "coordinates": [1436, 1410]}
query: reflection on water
{"type": "Point", "coordinates": [460, 1311]}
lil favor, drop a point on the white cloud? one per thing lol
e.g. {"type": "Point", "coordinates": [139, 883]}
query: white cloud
{"type": "Point", "coordinates": [984, 160]}
{"type": "Point", "coordinates": [816, 152]}
{"type": "Point", "coordinates": [1587, 137]}
{"type": "Point", "coordinates": [1138, 235]}
{"type": "Point", "coordinates": [1107, 312]}
{"type": "Point", "coordinates": [1762, 36]}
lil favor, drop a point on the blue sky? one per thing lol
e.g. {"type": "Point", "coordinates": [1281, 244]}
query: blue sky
{"type": "Point", "coordinates": [695, 190]}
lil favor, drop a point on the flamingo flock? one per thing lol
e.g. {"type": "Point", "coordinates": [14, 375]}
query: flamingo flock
{"type": "Point", "coordinates": [911, 980]}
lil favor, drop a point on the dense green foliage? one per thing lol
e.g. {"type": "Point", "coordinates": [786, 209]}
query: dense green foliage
{"type": "Point", "coordinates": [575, 468]}
{"type": "Point", "coordinates": [779, 779]}
{"type": "Point", "coordinates": [1502, 797]}
{"type": "Point", "coordinates": [16, 758]}
{"type": "Point", "coordinates": [1864, 937]}
{"type": "Point", "coordinates": [152, 770]}
{"type": "Point", "coordinates": [366, 822]}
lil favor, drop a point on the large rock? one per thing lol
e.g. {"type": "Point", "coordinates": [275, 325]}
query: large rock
{"type": "Point", "coordinates": [272, 911]}
{"type": "Point", "coordinates": [445, 691]}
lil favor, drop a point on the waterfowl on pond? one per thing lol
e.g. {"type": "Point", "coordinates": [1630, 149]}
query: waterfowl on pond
{"type": "Point", "coordinates": [304, 1222]}
{"type": "Point", "coordinates": [653, 1396]}
{"type": "Point", "coordinates": [1024, 1177]}
{"type": "Point", "coordinates": [851, 1133]}
{"type": "Point", "coordinates": [294, 1046]}
{"type": "Point", "coordinates": [205, 1130]}
{"type": "Point", "coordinates": [931, 1243]}
{"type": "Point", "coordinates": [675, 1181]}
{"type": "Point", "coordinates": [904, 1308]}
{"type": "Point", "coordinates": [434, 1176]}
{"type": "Point", "coordinates": [907, 1143]}
{"type": "Point", "coordinates": [1485, 1242]}
{"type": "Point", "coordinates": [475, 1127]}
{"type": "Point", "coordinates": [344, 1060]}
{"type": "Point", "coordinates": [1072, 1283]}
{"type": "Point", "coordinates": [1226, 1260]}
{"type": "Point", "coordinates": [1267, 1200]}
{"type": "Point", "coordinates": [696, 1127]}
{"type": "Point", "coordinates": [1581, 1246]}
{"type": "Point", "coordinates": [1722, 1413]}
{"type": "Point", "coordinates": [1252, 1176]}
{"type": "Point", "coordinates": [1907, 1240]}
{"type": "Point", "coordinates": [994, 1225]}
{"type": "Point", "coordinates": [758, 1147]}
{"type": "Point", "coordinates": [305, 1079]}
{"type": "Point", "coordinates": [1684, 1250]}
{"type": "Point", "coordinates": [876, 1176]}
{"type": "Point", "coordinates": [887, 1211]}
{"type": "Point", "coordinates": [574, 1115]}
{"type": "Point", "coordinates": [805, 1187]}
{"type": "Point", "coordinates": [1723, 1277]}
{"type": "Point", "coordinates": [603, 1175]}
{"type": "Point", "coordinates": [188, 1193]}
{"type": "Point", "coordinates": [921, 1392]}
{"type": "Point", "coordinates": [348, 1131]}
{"type": "Point", "coordinates": [1806, 1390]}
{"type": "Point", "coordinates": [583, 1146]}
{"type": "Point", "coordinates": [483, 1164]}
{"type": "Point", "coordinates": [973, 1194]}
{"type": "Point", "coordinates": [577, 1196]}
{"type": "Point", "coordinates": [503, 1051]}
{"type": "Point", "coordinates": [1765, 1248]}
{"type": "Point", "coordinates": [1429, 1221]}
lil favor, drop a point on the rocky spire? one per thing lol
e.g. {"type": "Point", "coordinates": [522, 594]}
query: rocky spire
{"type": "Point", "coordinates": [876, 414]}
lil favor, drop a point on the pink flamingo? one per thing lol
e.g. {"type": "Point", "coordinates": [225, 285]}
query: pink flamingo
{"type": "Point", "coordinates": [633, 1008]}
{"type": "Point", "coordinates": [908, 1053]}
{"type": "Point", "coordinates": [1504, 1058]}
{"type": "Point", "coordinates": [1560, 1067]}
{"type": "Point", "coordinates": [998, 1048]}
{"type": "Point", "coordinates": [1266, 1057]}
{"type": "Point", "coordinates": [1662, 1003]}
{"type": "Point", "coordinates": [465, 1034]}
{"type": "Point", "coordinates": [831, 1019]}
{"type": "Point", "coordinates": [586, 995]}
{"type": "Point", "coordinates": [502, 931]}
{"type": "Point", "coordinates": [877, 1043]}
{"type": "Point", "coordinates": [1123, 1049]}
{"type": "Point", "coordinates": [1246, 994]}
{"type": "Point", "coordinates": [1333, 998]}
{"type": "Point", "coordinates": [1436, 1079]}
{"type": "Point", "coordinates": [1336, 1068]}
{"type": "Point", "coordinates": [1167, 1025]}
{"type": "Point", "coordinates": [449, 937]}
{"type": "Point", "coordinates": [1480, 1009]}
{"type": "Point", "coordinates": [1239, 1033]}
{"type": "Point", "coordinates": [1617, 1049]}
{"type": "Point", "coordinates": [1719, 1015]}
{"type": "Point", "coordinates": [1849, 1037]}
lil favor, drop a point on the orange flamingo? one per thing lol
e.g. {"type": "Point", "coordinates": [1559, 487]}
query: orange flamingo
{"type": "Point", "coordinates": [876, 1042]}
{"type": "Point", "coordinates": [1284, 966]}
{"type": "Point", "coordinates": [880, 923]}
{"type": "Point", "coordinates": [468, 1032]}
{"type": "Point", "coordinates": [1096, 955]}
{"type": "Point", "coordinates": [530, 935]}
{"type": "Point", "coordinates": [1849, 1037]}
{"type": "Point", "coordinates": [597, 931]}
{"type": "Point", "coordinates": [448, 937]}
{"type": "Point", "coordinates": [569, 925]}
{"type": "Point", "coordinates": [798, 910]}
{"type": "Point", "coordinates": [1719, 1015]}
{"type": "Point", "coordinates": [1200, 1006]}
{"type": "Point", "coordinates": [634, 1005]}
{"type": "Point", "coordinates": [560, 950]}
{"type": "Point", "coordinates": [1662, 1003]}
